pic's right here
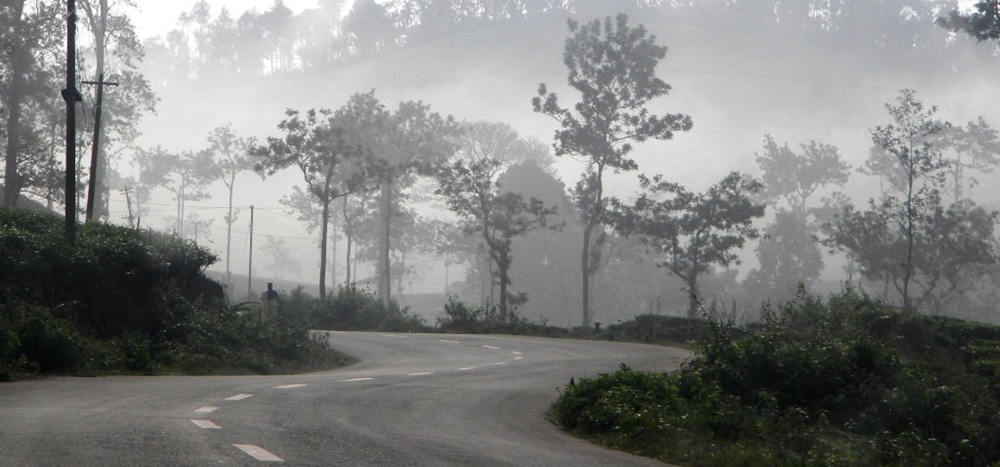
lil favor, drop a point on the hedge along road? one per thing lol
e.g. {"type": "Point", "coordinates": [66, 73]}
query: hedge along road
{"type": "Point", "coordinates": [413, 400]}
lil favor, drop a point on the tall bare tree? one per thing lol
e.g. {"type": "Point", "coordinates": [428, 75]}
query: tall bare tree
{"type": "Point", "coordinates": [230, 156]}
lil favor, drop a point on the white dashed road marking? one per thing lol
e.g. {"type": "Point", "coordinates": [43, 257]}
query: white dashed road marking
{"type": "Point", "coordinates": [490, 347]}
{"type": "Point", "coordinates": [290, 386]}
{"type": "Point", "coordinates": [519, 357]}
{"type": "Point", "coordinates": [355, 379]}
{"type": "Point", "coordinates": [206, 410]}
{"type": "Point", "coordinates": [499, 363]}
{"type": "Point", "coordinates": [206, 424]}
{"type": "Point", "coordinates": [515, 352]}
{"type": "Point", "coordinates": [397, 336]}
{"type": "Point", "coordinates": [239, 397]}
{"type": "Point", "coordinates": [421, 374]}
{"type": "Point", "coordinates": [448, 341]}
{"type": "Point", "coordinates": [467, 368]}
{"type": "Point", "coordinates": [258, 453]}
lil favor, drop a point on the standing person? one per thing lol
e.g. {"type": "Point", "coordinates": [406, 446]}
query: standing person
{"type": "Point", "coordinates": [270, 301]}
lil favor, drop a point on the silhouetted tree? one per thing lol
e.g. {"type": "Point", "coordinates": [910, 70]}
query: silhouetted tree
{"type": "Point", "coordinates": [613, 66]}
{"type": "Point", "coordinates": [279, 256]}
{"type": "Point", "coordinates": [793, 178]}
{"type": "Point", "coordinates": [905, 157]}
{"type": "Point", "coordinates": [368, 28]}
{"type": "Point", "coordinates": [404, 143]}
{"type": "Point", "coordinates": [29, 32]}
{"type": "Point", "coordinates": [789, 252]}
{"type": "Point", "coordinates": [324, 149]}
{"type": "Point", "coordinates": [691, 232]}
{"type": "Point", "coordinates": [498, 215]}
{"type": "Point", "coordinates": [911, 238]}
{"type": "Point", "coordinates": [186, 175]}
{"type": "Point", "coordinates": [230, 156]}
{"type": "Point", "coordinates": [974, 147]}
{"type": "Point", "coordinates": [981, 24]}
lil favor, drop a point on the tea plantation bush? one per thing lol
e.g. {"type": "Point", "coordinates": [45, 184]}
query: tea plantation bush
{"type": "Point", "coordinates": [123, 300]}
{"type": "Point", "coordinates": [847, 381]}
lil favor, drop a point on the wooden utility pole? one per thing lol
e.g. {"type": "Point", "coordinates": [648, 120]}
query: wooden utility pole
{"type": "Point", "coordinates": [71, 95]}
{"type": "Point", "coordinates": [128, 202]}
{"type": "Point", "coordinates": [96, 149]}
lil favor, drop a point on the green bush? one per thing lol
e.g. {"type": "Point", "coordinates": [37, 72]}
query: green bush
{"type": "Point", "coordinates": [109, 283]}
{"type": "Point", "coordinates": [639, 407]}
{"type": "Point", "coordinates": [846, 381]}
{"type": "Point", "coordinates": [34, 341]}
{"type": "Point", "coordinates": [355, 309]}
{"type": "Point", "coordinates": [122, 300]}
{"type": "Point", "coordinates": [461, 317]}
{"type": "Point", "coordinates": [657, 329]}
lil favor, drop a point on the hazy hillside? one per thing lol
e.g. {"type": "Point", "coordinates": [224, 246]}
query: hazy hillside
{"type": "Point", "coordinates": [738, 82]}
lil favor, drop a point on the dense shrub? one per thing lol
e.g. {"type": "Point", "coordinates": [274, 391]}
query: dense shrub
{"type": "Point", "coordinates": [34, 341]}
{"type": "Point", "coordinates": [352, 309]}
{"type": "Point", "coordinates": [847, 381]}
{"type": "Point", "coordinates": [461, 317]}
{"type": "Point", "coordinates": [110, 283]}
{"type": "Point", "coordinates": [122, 300]}
{"type": "Point", "coordinates": [638, 406]}
{"type": "Point", "coordinates": [657, 329]}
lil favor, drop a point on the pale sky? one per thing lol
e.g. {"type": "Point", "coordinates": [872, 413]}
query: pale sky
{"type": "Point", "coordinates": [157, 17]}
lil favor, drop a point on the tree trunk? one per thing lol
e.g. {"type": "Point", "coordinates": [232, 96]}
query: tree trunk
{"type": "Point", "coordinates": [504, 266]}
{"type": "Point", "coordinates": [347, 264]}
{"type": "Point", "coordinates": [910, 214]}
{"type": "Point", "coordinates": [402, 268]}
{"type": "Point", "coordinates": [322, 250]}
{"type": "Point", "coordinates": [229, 237]}
{"type": "Point", "coordinates": [585, 286]}
{"type": "Point", "coordinates": [348, 232]}
{"type": "Point", "coordinates": [692, 284]}
{"type": "Point", "coordinates": [333, 256]}
{"type": "Point", "coordinates": [19, 65]}
{"type": "Point", "coordinates": [385, 278]}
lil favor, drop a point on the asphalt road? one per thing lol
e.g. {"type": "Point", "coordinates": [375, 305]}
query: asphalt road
{"type": "Point", "coordinates": [413, 400]}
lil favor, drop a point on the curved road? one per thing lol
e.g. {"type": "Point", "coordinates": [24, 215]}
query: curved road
{"type": "Point", "coordinates": [413, 400]}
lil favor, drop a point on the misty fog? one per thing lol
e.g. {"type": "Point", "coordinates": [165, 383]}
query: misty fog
{"type": "Point", "coordinates": [739, 70]}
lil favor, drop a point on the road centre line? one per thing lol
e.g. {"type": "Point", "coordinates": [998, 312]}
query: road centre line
{"type": "Point", "coordinates": [239, 397]}
{"type": "Point", "coordinates": [424, 373]}
{"type": "Point", "coordinates": [206, 410]}
{"type": "Point", "coordinates": [467, 368]}
{"type": "Point", "coordinates": [450, 342]}
{"type": "Point", "coordinates": [490, 347]}
{"type": "Point", "coordinates": [290, 386]}
{"type": "Point", "coordinates": [355, 379]}
{"type": "Point", "coordinates": [206, 424]}
{"type": "Point", "coordinates": [499, 363]}
{"type": "Point", "coordinates": [258, 453]}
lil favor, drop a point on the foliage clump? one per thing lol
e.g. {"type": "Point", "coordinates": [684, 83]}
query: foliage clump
{"type": "Point", "coordinates": [846, 381]}
{"type": "Point", "coordinates": [128, 301]}
{"type": "Point", "coordinates": [461, 317]}
{"type": "Point", "coordinates": [354, 309]}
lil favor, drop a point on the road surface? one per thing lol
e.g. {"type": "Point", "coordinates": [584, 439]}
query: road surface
{"type": "Point", "coordinates": [413, 400]}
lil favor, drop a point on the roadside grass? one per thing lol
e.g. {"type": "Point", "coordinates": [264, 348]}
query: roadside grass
{"type": "Point", "coordinates": [848, 380]}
